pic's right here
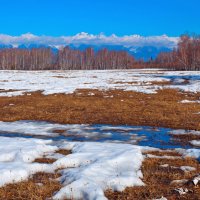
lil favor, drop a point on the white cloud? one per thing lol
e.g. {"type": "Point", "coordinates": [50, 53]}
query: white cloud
{"type": "Point", "coordinates": [90, 39]}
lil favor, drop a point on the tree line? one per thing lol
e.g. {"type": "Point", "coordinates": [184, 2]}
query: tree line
{"type": "Point", "coordinates": [63, 59]}
{"type": "Point", "coordinates": [186, 56]}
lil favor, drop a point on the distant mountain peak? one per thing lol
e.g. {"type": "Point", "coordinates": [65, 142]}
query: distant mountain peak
{"type": "Point", "coordinates": [28, 36]}
{"type": "Point", "coordinates": [137, 45]}
{"type": "Point", "coordinates": [86, 38]}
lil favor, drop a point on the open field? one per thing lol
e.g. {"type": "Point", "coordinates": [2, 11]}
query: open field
{"type": "Point", "coordinates": [99, 134]}
{"type": "Point", "coordinates": [162, 109]}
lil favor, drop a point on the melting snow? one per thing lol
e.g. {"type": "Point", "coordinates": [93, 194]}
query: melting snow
{"type": "Point", "coordinates": [92, 167]}
{"type": "Point", "coordinates": [95, 167]}
{"type": "Point", "coordinates": [17, 155]}
{"type": "Point", "coordinates": [88, 171]}
{"type": "Point", "coordinates": [52, 82]}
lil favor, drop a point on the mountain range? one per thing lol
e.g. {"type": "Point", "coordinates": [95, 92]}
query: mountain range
{"type": "Point", "coordinates": [140, 47]}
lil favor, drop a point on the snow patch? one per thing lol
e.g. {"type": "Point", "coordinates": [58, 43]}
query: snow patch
{"type": "Point", "coordinates": [195, 143]}
{"type": "Point", "coordinates": [184, 132]}
{"type": "Point", "coordinates": [17, 155]}
{"type": "Point", "coordinates": [91, 169]}
{"type": "Point", "coordinates": [190, 101]}
{"type": "Point", "coordinates": [20, 82]}
{"type": "Point", "coordinates": [96, 167]}
{"type": "Point", "coordinates": [195, 153]}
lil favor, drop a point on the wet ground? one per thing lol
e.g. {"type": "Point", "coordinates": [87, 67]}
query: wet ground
{"type": "Point", "coordinates": [141, 135]}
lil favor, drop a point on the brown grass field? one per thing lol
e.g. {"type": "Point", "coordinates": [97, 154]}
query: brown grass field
{"type": "Point", "coordinates": [110, 107]}
{"type": "Point", "coordinates": [106, 107]}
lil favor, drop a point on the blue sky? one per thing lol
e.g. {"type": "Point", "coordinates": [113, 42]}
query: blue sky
{"type": "Point", "coordinates": [121, 17]}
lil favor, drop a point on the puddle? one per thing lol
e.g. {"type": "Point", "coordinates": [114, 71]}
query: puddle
{"type": "Point", "coordinates": [140, 135]}
{"type": "Point", "coordinates": [183, 79]}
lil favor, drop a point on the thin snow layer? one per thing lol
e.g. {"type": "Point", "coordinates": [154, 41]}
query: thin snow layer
{"type": "Point", "coordinates": [183, 168]}
{"type": "Point", "coordinates": [189, 101]}
{"type": "Point", "coordinates": [84, 132]}
{"type": "Point", "coordinates": [30, 128]}
{"type": "Point", "coordinates": [162, 157]}
{"type": "Point", "coordinates": [17, 155]}
{"type": "Point", "coordinates": [96, 167]}
{"type": "Point", "coordinates": [48, 129]}
{"type": "Point", "coordinates": [13, 83]}
{"type": "Point", "coordinates": [42, 128]}
{"type": "Point", "coordinates": [184, 132]}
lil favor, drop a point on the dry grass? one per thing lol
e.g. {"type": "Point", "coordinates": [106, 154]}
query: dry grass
{"type": "Point", "coordinates": [59, 76]}
{"type": "Point", "coordinates": [161, 83]}
{"type": "Point", "coordinates": [45, 160]}
{"type": "Point", "coordinates": [157, 180]}
{"type": "Point", "coordinates": [161, 153]}
{"type": "Point", "coordinates": [64, 152]}
{"type": "Point", "coordinates": [185, 138]}
{"type": "Point", "coordinates": [161, 110]}
{"type": "Point", "coordinates": [59, 131]}
{"type": "Point", "coordinates": [40, 187]}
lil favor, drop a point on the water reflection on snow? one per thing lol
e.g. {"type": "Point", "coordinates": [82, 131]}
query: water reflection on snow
{"type": "Point", "coordinates": [140, 135]}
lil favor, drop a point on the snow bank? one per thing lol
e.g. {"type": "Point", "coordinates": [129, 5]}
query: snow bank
{"type": "Point", "coordinates": [96, 167]}
{"type": "Point", "coordinates": [52, 82]}
{"type": "Point", "coordinates": [17, 155]}
{"type": "Point", "coordinates": [87, 172]}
